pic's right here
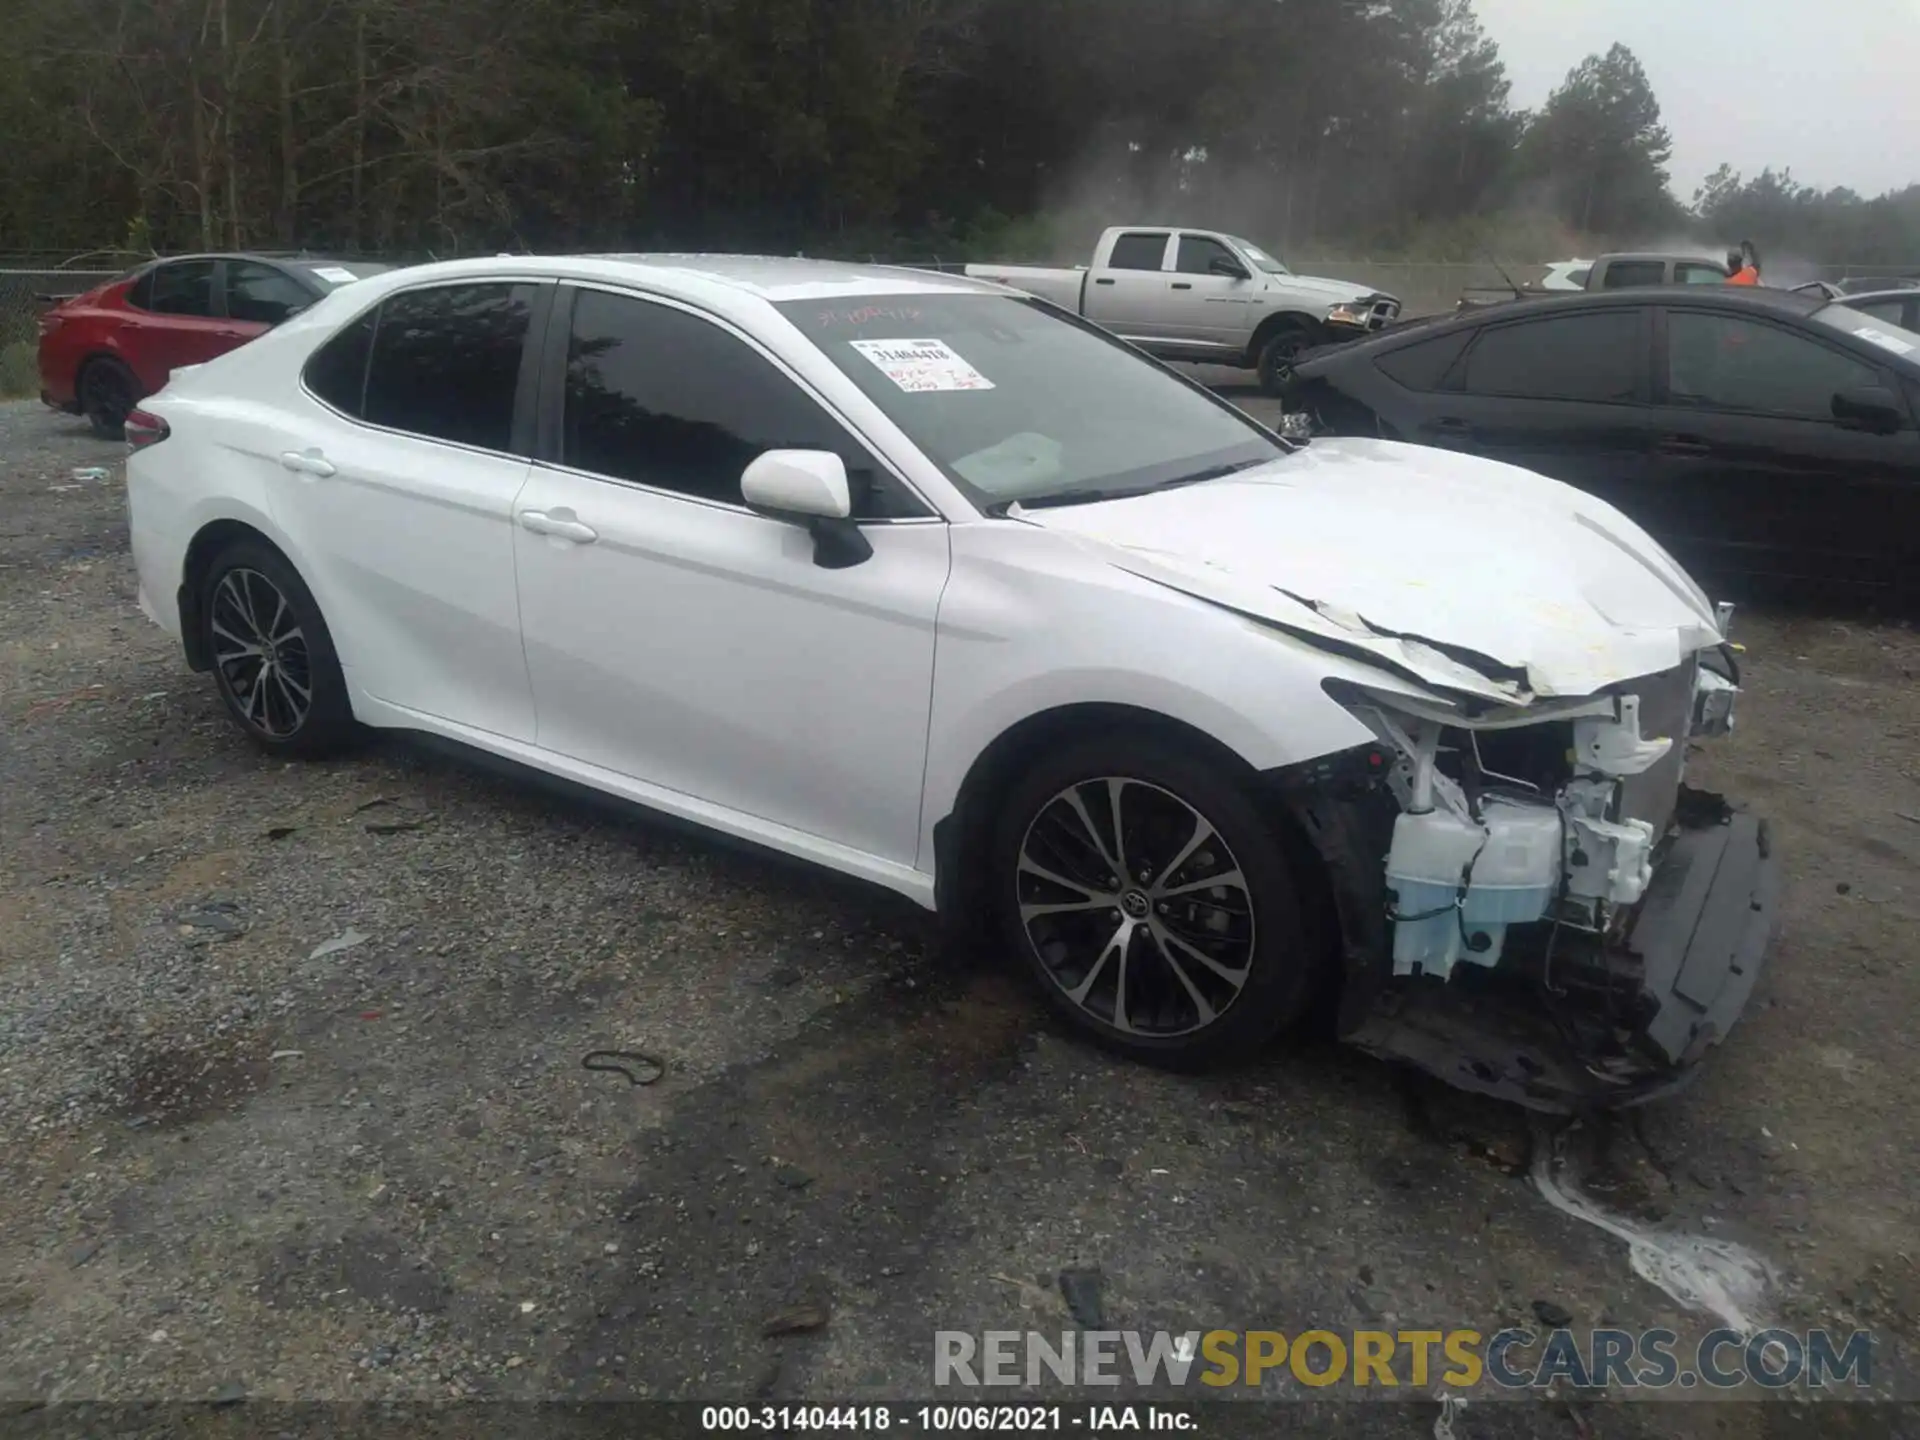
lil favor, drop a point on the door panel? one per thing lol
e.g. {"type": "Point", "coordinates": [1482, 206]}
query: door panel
{"type": "Point", "coordinates": [674, 636]}
{"type": "Point", "coordinates": [1128, 298]}
{"type": "Point", "coordinates": [414, 546]}
{"type": "Point", "coordinates": [175, 322]}
{"type": "Point", "coordinates": [1561, 395]}
{"type": "Point", "coordinates": [1758, 479]}
{"type": "Point", "coordinates": [699, 648]}
{"type": "Point", "coordinates": [1207, 308]}
{"type": "Point", "coordinates": [407, 523]}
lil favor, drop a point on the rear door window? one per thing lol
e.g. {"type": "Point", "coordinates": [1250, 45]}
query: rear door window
{"type": "Point", "coordinates": [337, 372]}
{"type": "Point", "coordinates": [1138, 251]}
{"type": "Point", "coordinates": [1424, 365]}
{"type": "Point", "coordinates": [1694, 273]}
{"type": "Point", "coordinates": [446, 362]}
{"type": "Point", "coordinates": [1595, 357]}
{"type": "Point", "coordinates": [183, 288]}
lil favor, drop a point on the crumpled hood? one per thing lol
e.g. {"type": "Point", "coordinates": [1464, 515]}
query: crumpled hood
{"type": "Point", "coordinates": [1471, 575]}
{"type": "Point", "coordinates": [1333, 292]}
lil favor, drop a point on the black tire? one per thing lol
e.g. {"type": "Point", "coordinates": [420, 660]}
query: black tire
{"type": "Point", "coordinates": [108, 394]}
{"type": "Point", "coordinates": [249, 575]}
{"type": "Point", "coordinates": [1163, 1023]}
{"type": "Point", "coordinates": [1279, 350]}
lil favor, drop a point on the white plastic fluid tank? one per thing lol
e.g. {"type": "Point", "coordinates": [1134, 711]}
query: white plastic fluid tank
{"type": "Point", "coordinates": [1518, 871]}
{"type": "Point", "coordinates": [1429, 855]}
{"type": "Point", "coordinates": [1515, 860]}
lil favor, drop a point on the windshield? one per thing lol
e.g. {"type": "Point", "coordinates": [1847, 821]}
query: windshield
{"type": "Point", "coordinates": [335, 273]}
{"type": "Point", "coordinates": [1260, 257]}
{"type": "Point", "coordinates": [1884, 333]}
{"type": "Point", "coordinates": [1015, 401]}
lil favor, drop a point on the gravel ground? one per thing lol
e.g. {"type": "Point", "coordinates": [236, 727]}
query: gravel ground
{"type": "Point", "coordinates": [290, 1075]}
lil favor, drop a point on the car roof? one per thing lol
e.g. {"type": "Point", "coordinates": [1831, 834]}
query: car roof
{"type": "Point", "coordinates": [776, 278]}
{"type": "Point", "coordinates": [271, 257]}
{"type": "Point", "coordinates": [1532, 306]}
{"type": "Point", "coordinates": [1690, 257]}
{"type": "Point", "coordinates": [737, 277]}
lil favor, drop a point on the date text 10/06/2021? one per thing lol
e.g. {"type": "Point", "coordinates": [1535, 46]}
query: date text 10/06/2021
{"type": "Point", "coordinates": [936, 1419]}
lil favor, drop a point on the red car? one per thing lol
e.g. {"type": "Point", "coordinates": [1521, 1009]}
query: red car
{"type": "Point", "coordinates": [101, 352]}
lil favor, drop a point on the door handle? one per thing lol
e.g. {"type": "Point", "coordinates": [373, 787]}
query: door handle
{"type": "Point", "coordinates": [558, 524]}
{"type": "Point", "coordinates": [1684, 445]}
{"type": "Point", "coordinates": [1183, 285]}
{"type": "Point", "coordinates": [1452, 427]}
{"type": "Point", "coordinates": [307, 462]}
{"type": "Point", "coordinates": [1107, 281]}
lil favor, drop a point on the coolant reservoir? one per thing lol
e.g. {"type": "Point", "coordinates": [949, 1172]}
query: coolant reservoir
{"type": "Point", "coordinates": [1515, 863]}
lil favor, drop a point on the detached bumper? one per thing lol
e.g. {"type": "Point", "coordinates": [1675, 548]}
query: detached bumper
{"type": "Point", "coordinates": [1697, 945]}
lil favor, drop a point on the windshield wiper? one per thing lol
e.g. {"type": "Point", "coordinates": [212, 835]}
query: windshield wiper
{"type": "Point", "coordinates": [999, 508]}
{"type": "Point", "coordinates": [1058, 497]}
{"type": "Point", "coordinates": [1212, 472]}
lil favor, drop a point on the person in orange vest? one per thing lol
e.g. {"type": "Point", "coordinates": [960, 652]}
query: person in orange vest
{"type": "Point", "coordinates": [1745, 265]}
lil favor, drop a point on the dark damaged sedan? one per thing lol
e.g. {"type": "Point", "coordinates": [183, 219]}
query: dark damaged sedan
{"type": "Point", "coordinates": [1766, 437]}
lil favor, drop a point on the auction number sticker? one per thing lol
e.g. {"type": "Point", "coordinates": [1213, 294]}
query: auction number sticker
{"type": "Point", "coordinates": [922, 366]}
{"type": "Point", "coordinates": [1885, 341]}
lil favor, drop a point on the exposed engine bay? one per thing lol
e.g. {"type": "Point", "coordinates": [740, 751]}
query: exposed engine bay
{"type": "Point", "coordinates": [1559, 919]}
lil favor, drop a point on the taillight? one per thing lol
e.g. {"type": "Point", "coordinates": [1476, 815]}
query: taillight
{"type": "Point", "coordinates": [143, 429]}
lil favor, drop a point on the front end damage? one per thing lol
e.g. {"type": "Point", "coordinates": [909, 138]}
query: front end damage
{"type": "Point", "coordinates": [1532, 902]}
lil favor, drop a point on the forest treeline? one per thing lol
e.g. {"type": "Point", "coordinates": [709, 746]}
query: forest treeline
{"type": "Point", "coordinates": [907, 127]}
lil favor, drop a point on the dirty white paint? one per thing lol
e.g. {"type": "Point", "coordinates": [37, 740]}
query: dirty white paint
{"type": "Point", "coordinates": [1407, 551]}
{"type": "Point", "coordinates": [1719, 1277]}
{"type": "Point", "coordinates": [1450, 1406]}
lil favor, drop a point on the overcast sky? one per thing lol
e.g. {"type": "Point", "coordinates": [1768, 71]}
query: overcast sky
{"type": "Point", "coordinates": [1830, 88]}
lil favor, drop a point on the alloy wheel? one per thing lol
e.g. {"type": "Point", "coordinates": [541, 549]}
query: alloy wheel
{"type": "Point", "coordinates": [1136, 907]}
{"type": "Point", "coordinates": [260, 652]}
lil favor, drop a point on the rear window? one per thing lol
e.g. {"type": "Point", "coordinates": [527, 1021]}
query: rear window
{"type": "Point", "coordinates": [1630, 274]}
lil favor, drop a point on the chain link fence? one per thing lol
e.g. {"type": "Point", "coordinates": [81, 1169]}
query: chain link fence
{"type": "Point", "coordinates": [29, 282]}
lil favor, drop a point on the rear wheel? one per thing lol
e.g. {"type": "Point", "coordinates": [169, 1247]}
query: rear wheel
{"type": "Point", "coordinates": [108, 393]}
{"type": "Point", "coordinates": [273, 657]}
{"type": "Point", "coordinates": [1279, 350]}
{"type": "Point", "coordinates": [1151, 901]}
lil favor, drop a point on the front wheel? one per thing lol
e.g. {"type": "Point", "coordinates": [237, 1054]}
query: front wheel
{"type": "Point", "coordinates": [1152, 901]}
{"type": "Point", "coordinates": [273, 656]}
{"type": "Point", "coordinates": [1278, 352]}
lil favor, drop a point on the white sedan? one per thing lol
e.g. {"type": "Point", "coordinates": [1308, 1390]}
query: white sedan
{"type": "Point", "coordinates": [927, 582]}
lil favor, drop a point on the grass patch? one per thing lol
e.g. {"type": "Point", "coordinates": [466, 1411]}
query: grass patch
{"type": "Point", "coordinates": [19, 370]}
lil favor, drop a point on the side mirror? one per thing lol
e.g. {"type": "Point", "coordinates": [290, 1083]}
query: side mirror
{"type": "Point", "coordinates": [810, 487]}
{"type": "Point", "coordinates": [1220, 265]}
{"type": "Point", "coordinates": [1868, 408]}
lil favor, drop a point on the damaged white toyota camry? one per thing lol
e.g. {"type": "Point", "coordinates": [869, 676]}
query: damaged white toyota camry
{"type": "Point", "coordinates": [928, 582]}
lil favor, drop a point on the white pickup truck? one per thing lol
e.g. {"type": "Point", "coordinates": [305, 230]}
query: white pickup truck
{"type": "Point", "coordinates": [1204, 297]}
